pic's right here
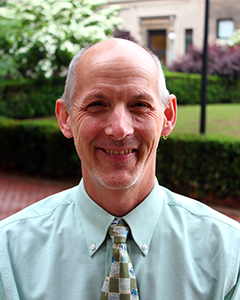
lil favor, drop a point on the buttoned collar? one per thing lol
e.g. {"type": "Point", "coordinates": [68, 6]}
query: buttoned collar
{"type": "Point", "coordinates": [96, 221]}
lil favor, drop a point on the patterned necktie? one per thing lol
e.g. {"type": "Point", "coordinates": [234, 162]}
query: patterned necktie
{"type": "Point", "coordinates": [120, 283]}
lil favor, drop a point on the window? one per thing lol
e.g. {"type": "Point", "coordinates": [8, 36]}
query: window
{"type": "Point", "coordinates": [225, 28]}
{"type": "Point", "coordinates": [188, 39]}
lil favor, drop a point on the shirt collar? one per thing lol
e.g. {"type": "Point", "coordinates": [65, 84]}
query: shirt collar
{"type": "Point", "coordinates": [143, 219]}
{"type": "Point", "coordinates": [96, 221]}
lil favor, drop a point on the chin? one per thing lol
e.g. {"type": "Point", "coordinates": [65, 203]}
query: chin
{"type": "Point", "coordinates": [116, 184]}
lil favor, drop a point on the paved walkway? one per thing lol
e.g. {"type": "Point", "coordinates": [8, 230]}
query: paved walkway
{"type": "Point", "coordinates": [18, 192]}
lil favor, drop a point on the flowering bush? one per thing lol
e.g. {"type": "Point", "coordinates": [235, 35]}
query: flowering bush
{"type": "Point", "coordinates": [222, 61]}
{"type": "Point", "coordinates": [39, 37]}
{"type": "Point", "coordinates": [235, 38]}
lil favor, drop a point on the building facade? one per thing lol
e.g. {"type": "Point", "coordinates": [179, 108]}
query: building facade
{"type": "Point", "coordinates": [224, 18]}
{"type": "Point", "coordinates": [169, 27]}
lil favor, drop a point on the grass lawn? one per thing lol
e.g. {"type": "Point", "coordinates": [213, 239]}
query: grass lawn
{"type": "Point", "coordinates": [221, 119]}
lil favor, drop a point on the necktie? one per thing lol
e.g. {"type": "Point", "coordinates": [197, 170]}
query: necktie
{"type": "Point", "coordinates": [120, 283]}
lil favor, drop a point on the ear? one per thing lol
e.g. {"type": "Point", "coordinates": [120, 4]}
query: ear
{"type": "Point", "coordinates": [63, 118]}
{"type": "Point", "coordinates": [170, 115]}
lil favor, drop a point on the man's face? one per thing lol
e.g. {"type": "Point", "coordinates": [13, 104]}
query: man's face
{"type": "Point", "coordinates": [116, 117]}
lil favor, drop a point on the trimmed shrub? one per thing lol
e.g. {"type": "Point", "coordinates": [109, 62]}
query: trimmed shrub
{"type": "Point", "coordinates": [187, 88]}
{"type": "Point", "coordinates": [37, 148]}
{"type": "Point", "coordinates": [205, 163]}
{"type": "Point", "coordinates": [29, 98]}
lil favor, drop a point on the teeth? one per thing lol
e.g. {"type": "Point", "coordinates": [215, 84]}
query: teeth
{"type": "Point", "coordinates": [119, 153]}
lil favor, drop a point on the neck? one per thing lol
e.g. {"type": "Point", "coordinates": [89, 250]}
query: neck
{"type": "Point", "coordinates": [119, 202]}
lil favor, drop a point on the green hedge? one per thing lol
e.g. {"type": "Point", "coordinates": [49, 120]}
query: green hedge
{"type": "Point", "coordinates": [36, 98]}
{"type": "Point", "coordinates": [187, 88]}
{"type": "Point", "coordinates": [184, 162]}
{"type": "Point", "coordinates": [203, 163]}
{"type": "Point", "coordinates": [37, 147]}
{"type": "Point", "coordinates": [28, 98]}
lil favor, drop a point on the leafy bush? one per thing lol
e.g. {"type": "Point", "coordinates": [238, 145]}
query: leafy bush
{"type": "Point", "coordinates": [222, 61]}
{"type": "Point", "coordinates": [235, 38]}
{"type": "Point", "coordinates": [28, 98]}
{"type": "Point", "coordinates": [205, 164]}
{"type": "Point", "coordinates": [187, 88]}
{"type": "Point", "coordinates": [37, 148]}
{"type": "Point", "coordinates": [40, 37]}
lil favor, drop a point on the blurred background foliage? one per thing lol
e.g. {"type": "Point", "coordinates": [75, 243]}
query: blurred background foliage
{"type": "Point", "coordinates": [39, 37]}
{"type": "Point", "coordinates": [223, 60]}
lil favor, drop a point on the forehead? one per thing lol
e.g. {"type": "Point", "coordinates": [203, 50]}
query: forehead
{"type": "Point", "coordinates": [120, 49]}
{"type": "Point", "coordinates": [117, 61]}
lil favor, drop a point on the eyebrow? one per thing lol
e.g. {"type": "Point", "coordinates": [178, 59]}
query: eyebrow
{"type": "Point", "coordinates": [145, 96]}
{"type": "Point", "coordinates": [96, 95]}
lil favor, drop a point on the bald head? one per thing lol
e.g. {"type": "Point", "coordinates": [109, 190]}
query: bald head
{"type": "Point", "coordinates": [117, 49]}
{"type": "Point", "coordinates": [110, 52]}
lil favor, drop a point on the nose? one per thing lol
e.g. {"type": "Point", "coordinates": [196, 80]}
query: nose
{"type": "Point", "coordinates": [119, 123]}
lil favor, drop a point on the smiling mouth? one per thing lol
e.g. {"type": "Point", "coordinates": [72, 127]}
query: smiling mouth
{"type": "Point", "coordinates": [123, 152]}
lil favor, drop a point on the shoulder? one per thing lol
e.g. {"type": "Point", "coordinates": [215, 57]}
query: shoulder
{"type": "Point", "coordinates": [39, 210]}
{"type": "Point", "coordinates": [191, 209]}
{"type": "Point", "coordinates": [207, 241]}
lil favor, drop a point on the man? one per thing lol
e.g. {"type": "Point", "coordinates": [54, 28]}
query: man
{"type": "Point", "coordinates": [116, 107]}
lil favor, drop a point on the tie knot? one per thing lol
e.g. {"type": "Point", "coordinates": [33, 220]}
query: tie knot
{"type": "Point", "coordinates": [118, 231]}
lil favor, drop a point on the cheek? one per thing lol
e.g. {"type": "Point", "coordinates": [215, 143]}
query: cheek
{"type": "Point", "coordinates": [85, 131]}
{"type": "Point", "coordinates": [150, 128]}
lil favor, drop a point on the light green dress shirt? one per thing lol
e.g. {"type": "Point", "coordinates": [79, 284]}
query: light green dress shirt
{"type": "Point", "coordinates": [58, 249]}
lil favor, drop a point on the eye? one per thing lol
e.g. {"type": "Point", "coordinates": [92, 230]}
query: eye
{"type": "Point", "coordinates": [141, 104]}
{"type": "Point", "coordinates": [96, 106]}
{"type": "Point", "coordinates": [141, 107]}
{"type": "Point", "coordinates": [96, 103]}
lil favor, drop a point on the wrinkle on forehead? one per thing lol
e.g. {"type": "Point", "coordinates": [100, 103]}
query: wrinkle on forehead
{"type": "Point", "coordinates": [119, 70]}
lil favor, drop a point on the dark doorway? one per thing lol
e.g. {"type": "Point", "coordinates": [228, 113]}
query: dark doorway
{"type": "Point", "coordinates": [157, 43]}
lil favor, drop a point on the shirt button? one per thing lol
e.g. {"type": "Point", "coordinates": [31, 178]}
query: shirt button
{"type": "Point", "coordinates": [144, 247]}
{"type": "Point", "coordinates": [93, 247]}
